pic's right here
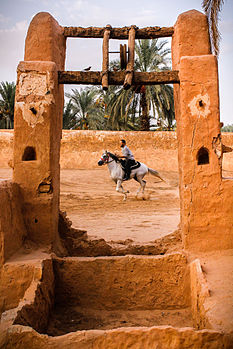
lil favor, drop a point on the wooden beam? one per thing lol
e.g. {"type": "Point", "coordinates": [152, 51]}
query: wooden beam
{"type": "Point", "coordinates": [131, 54]}
{"type": "Point", "coordinates": [118, 33]}
{"type": "Point", "coordinates": [105, 57]}
{"type": "Point", "coordinates": [117, 78]}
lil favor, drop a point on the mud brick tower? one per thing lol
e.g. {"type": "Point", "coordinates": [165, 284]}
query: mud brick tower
{"type": "Point", "coordinates": [38, 125]}
{"type": "Point", "coordinates": [206, 198]}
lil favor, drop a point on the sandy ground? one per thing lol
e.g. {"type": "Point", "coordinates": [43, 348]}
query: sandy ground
{"type": "Point", "coordinates": [91, 202]}
{"type": "Point", "coordinates": [218, 270]}
{"type": "Point", "coordinates": [70, 319]}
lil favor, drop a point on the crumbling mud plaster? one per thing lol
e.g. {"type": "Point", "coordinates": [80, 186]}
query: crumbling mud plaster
{"type": "Point", "coordinates": [200, 105]}
{"type": "Point", "coordinates": [37, 126]}
{"type": "Point", "coordinates": [35, 85]}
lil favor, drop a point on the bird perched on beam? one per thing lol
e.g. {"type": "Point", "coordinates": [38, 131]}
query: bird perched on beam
{"type": "Point", "coordinates": [86, 69]}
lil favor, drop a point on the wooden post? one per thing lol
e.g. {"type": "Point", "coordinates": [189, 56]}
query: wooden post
{"type": "Point", "coordinates": [130, 65]}
{"type": "Point", "coordinates": [105, 57]}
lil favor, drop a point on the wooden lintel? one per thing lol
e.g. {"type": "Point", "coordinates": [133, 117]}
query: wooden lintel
{"type": "Point", "coordinates": [119, 33]}
{"type": "Point", "coordinates": [117, 78]}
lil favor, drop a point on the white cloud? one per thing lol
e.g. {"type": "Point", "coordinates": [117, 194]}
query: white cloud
{"type": "Point", "coordinates": [226, 26]}
{"type": "Point", "coordinates": [4, 19]}
{"type": "Point", "coordinates": [12, 49]}
{"type": "Point", "coordinates": [18, 27]}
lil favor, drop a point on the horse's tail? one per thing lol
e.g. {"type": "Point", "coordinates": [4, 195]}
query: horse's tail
{"type": "Point", "coordinates": [155, 173]}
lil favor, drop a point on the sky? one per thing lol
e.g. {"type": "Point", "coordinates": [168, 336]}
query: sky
{"type": "Point", "coordinates": [15, 17]}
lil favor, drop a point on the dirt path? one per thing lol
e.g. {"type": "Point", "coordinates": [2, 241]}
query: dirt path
{"type": "Point", "coordinates": [92, 204]}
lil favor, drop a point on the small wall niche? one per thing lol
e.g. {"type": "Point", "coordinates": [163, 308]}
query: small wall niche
{"type": "Point", "coordinates": [203, 156]}
{"type": "Point", "coordinates": [29, 154]}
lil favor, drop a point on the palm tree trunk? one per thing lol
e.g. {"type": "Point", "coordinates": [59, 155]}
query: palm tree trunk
{"type": "Point", "coordinates": [8, 123]}
{"type": "Point", "coordinates": [145, 120]}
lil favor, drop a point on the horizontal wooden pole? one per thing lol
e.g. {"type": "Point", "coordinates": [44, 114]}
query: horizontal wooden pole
{"type": "Point", "coordinates": [118, 33]}
{"type": "Point", "coordinates": [117, 78]}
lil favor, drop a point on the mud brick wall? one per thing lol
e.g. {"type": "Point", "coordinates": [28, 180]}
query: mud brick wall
{"type": "Point", "coordinates": [206, 199]}
{"type": "Point", "coordinates": [129, 282]}
{"type": "Point", "coordinates": [12, 228]}
{"type": "Point", "coordinates": [82, 149]}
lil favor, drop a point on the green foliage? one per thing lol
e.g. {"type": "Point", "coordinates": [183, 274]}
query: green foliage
{"type": "Point", "coordinates": [227, 128]}
{"type": "Point", "coordinates": [120, 109]}
{"type": "Point", "coordinates": [69, 118]}
{"type": "Point", "coordinates": [7, 102]}
{"type": "Point", "coordinates": [151, 55]}
{"type": "Point", "coordinates": [132, 109]}
{"type": "Point", "coordinates": [83, 110]}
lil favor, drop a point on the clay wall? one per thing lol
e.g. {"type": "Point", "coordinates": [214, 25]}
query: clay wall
{"type": "Point", "coordinates": [38, 125]}
{"type": "Point", "coordinates": [165, 279]}
{"type": "Point", "coordinates": [199, 293]}
{"type": "Point", "coordinates": [122, 282]}
{"type": "Point", "coordinates": [28, 300]}
{"type": "Point", "coordinates": [36, 148]}
{"type": "Point", "coordinates": [38, 300]}
{"type": "Point", "coordinates": [205, 197]}
{"type": "Point", "coordinates": [6, 147]}
{"type": "Point", "coordinates": [82, 149]}
{"type": "Point", "coordinates": [146, 338]}
{"type": "Point", "coordinates": [23, 274]}
{"type": "Point", "coordinates": [12, 228]}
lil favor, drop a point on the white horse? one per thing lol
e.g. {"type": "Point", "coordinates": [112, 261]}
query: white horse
{"type": "Point", "coordinates": [117, 172]}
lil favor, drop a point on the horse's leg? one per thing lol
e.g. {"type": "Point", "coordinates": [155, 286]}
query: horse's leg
{"type": "Point", "coordinates": [142, 185]}
{"type": "Point", "coordinates": [139, 189]}
{"type": "Point", "coordinates": [119, 188]}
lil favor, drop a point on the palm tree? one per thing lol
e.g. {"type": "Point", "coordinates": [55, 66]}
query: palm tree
{"type": "Point", "coordinates": [84, 108]}
{"type": "Point", "coordinates": [69, 117]}
{"type": "Point", "coordinates": [144, 102]}
{"type": "Point", "coordinates": [227, 128]}
{"type": "Point", "coordinates": [116, 104]}
{"type": "Point", "coordinates": [212, 9]}
{"type": "Point", "coordinates": [152, 55]}
{"type": "Point", "coordinates": [121, 109]}
{"type": "Point", "coordinates": [7, 102]}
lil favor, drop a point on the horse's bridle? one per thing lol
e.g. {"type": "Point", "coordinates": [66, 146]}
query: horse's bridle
{"type": "Point", "coordinates": [106, 161]}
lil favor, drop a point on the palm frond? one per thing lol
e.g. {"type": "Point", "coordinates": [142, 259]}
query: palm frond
{"type": "Point", "coordinates": [7, 101]}
{"type": "Point", "coordinates": [212, 9]}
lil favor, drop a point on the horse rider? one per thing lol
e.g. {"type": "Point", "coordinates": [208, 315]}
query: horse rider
{"type": "Point", "coordinates": [129, 159]}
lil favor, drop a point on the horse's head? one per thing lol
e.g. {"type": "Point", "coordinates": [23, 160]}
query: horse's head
{"type": "Point", "coordinates": [104, 158]}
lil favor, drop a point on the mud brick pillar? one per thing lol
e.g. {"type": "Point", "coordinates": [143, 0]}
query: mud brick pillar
{"type": "Point", "coordinates": [38, 128]}
{"type": "Point", "coordinates": [206, 206]}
